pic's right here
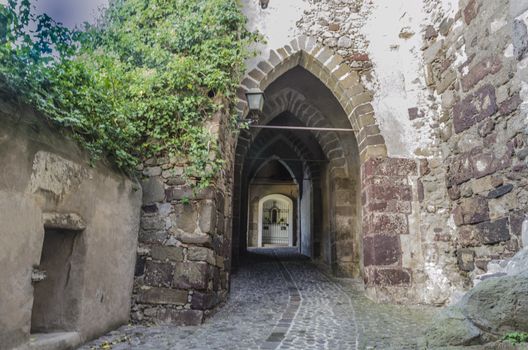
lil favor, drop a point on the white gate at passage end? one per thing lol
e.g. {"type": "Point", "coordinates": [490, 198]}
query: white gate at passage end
{"type": "Point", "coordinates": [275, 221]}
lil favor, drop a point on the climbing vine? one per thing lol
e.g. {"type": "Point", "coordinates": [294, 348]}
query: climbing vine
{"type": "Point", "coordinates": [139, 84]}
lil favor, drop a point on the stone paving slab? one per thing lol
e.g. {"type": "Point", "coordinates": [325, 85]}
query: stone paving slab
{"type": "Point", "coordinates": [280, 300]}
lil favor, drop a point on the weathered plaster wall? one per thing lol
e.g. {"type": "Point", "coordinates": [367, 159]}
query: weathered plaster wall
{"type": "Point", "coordinates": [46, 183]}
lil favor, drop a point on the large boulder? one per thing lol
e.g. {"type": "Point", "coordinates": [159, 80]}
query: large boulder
{"type": "Point", "coordinates": [499, 305]}
{"type": "Point", "coordinates": [495, 306]}
{"type": "Point", "coordinates": [452, 328]}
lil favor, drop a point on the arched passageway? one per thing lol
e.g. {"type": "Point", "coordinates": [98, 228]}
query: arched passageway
{"type": "Point", "coordinates": [308, 86]}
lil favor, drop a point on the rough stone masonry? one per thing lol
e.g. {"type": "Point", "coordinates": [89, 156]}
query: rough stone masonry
{"type": "Point", "coordinates": [183, 262]}
{"type": "Point", "coordinates": [444, 84]}
{"type": "Point", "coordinates": [429, 188]}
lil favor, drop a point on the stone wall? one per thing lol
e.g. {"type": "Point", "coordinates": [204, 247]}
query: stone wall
{"type": "Point", "coordinates": [442, 81]}
{"type": "Point", "coordinates": [474, 61]}
{"type": "Point", "coordinates": [68, 237]}
{"type": "Point", "coordinates": [184, 252]}
{"type": "Point", "coordinates": [389, 247]}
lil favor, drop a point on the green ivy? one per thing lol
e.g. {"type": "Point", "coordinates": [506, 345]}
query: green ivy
{"type": "Point", "coordinates": [139, 84]}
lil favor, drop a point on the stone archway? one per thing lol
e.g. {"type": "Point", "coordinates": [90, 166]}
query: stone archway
{"type": "Point", "coordinates": [335, 74]}
{"type": "Point", "coordinates": [366, 196]}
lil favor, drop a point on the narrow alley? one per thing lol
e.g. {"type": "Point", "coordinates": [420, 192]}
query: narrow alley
{"type": "Point", "coordinates": [280, 300]}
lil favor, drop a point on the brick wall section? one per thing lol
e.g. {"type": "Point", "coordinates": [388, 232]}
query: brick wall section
{"type": "Point", "coordinates": [473, 61]}
{"type": "Point", "coordinates": [386, 198]}
{"type": "Point", "coordinates": [183, 262]}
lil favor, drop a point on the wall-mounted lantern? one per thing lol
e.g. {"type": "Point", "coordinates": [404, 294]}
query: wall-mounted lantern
{"type": "Point", "coordinates": [255, 100]}
{"type": "Point", "coordinates": [264, 4]}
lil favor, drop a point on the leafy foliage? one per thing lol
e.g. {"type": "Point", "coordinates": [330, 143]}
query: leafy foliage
{"type": "Point", "coordinates": [516, 337]}
{"type": "Point", "coordinates": [139, 84]}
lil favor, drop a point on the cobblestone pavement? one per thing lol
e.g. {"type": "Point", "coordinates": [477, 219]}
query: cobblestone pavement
{"type": "Point", "coordinates": [281, 301]}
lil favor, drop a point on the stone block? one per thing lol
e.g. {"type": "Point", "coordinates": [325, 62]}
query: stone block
{"type": "Point", "coordinates": [415, 113]}
{"type": "Point", "coordinates": [158, 274]}
{"type": "Point", "coordinates": [185, 217]}
{"type": "Point", "coordinates": [381, 250]}
{"type": "Point", "coordinates": [471, 11]}
{"type": "Point", "coordinates": [500, 191]}
{"type": "Point", "coordinates": [389, 167]}
{"type": "Point", "coordinates": [171, 253]}
{"type": "Point", "coordinates": [454, 192]}
{"type": "Point", "coordinates": [482, 185]}
{"type": "Point", "coordinates": [391, 206]}
{"type": "Point", "coordinates": [516, 220]}
{"type": "Point", "coordinates": [500, 207]}
{"type": "Point", "coordinates": [466, 259]}
{"type": "Point", "coordinates": [215, 271]}
{"type": "Point", "coordinates": [153, 190]}
{"type": "Point", "coordinates": [139, 269]}
{"type": "Point", "coordinates": [385, 224]}
{"type": "Point", "coordinates": [152, 171]}
{"type": "Point", "coordinates": [345, 248]}
{"type": "Point", "coordinates": [191, 275]}
{"type": "Point", "coordinates": [492, 232]}
{"type": "Point", "coordinates": [204, 300]}
{"type": "Point", "coordinates": [152, 236]}
{"type": "Point", "coordinates": [389, 277]}
{"type": "Point", "coordinates": [149, 208]}
{"type": "Point", "coordinates": [192, 238]}
{"type": "Point", "coordinates": [162, 296]}
{"type": "Point", "coordinates": [471, 211]}
{"type": "Point", "coordinates": [460, 169]}
{"type": "Point", "coordinates": [447, 79]}
{"type": "Point", "coordinates": [483, 164]}
{"type": "Point", "coordinates": [431, 53]}
{"type": "Point", "coordinates": [172, 172]}
{"type": "Point", "coordinates": [207, 216]}
{"type": "Point", "coordinates": [201, 254]}
{"type": "Point", "coordinates": [323, 55]}
{"type": "Point", "coordinates": [510, 105]}
{"type": "Point", "coordinates": [218, 245]}
{"type": "Point", "coordinates": [445, 26]}
{"type": "Point", "coordinates": [364, 109]}
{"type": "Point", "coordinates": [520, 39]}
{"type": "Point", "coordinates": [467, 236]}
{"type": "Point", "coordinates": [265, 67]}
{"type": "Point", "coordinates": [175, 181]}
{"type": "Point", "coordinates": [474, 108]}
{"type": "Point", "coordinates": [184, 192]}
{"type": "Point", "coordinates": [153, 223]}
{"type": "Point", "coordinates": [489, 65]}
{"type": "Point", "coordinates": [180, 317]}
{"type": "Point", "coordinates": [430, 32]}
{"type": "Point", "coordinates": [420, 189]}
{"type": "Point", "coordinates": [383, 193]}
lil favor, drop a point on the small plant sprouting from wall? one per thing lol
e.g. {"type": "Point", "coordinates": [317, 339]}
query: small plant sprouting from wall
{"type": "Point", "coordinates": [516, 337]}
{"type": "Point", "coordinates": [139, 84]}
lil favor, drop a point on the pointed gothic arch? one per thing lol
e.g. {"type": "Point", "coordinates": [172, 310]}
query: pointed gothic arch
{"type": "Point", "coordinates": [356, 239]}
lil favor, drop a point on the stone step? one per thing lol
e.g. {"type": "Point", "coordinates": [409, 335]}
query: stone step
{"type": "Point", "coordinates": [55, 341]}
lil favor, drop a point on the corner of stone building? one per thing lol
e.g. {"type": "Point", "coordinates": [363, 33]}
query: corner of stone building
{"type": "Point", "coordinates": [183, 258]}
